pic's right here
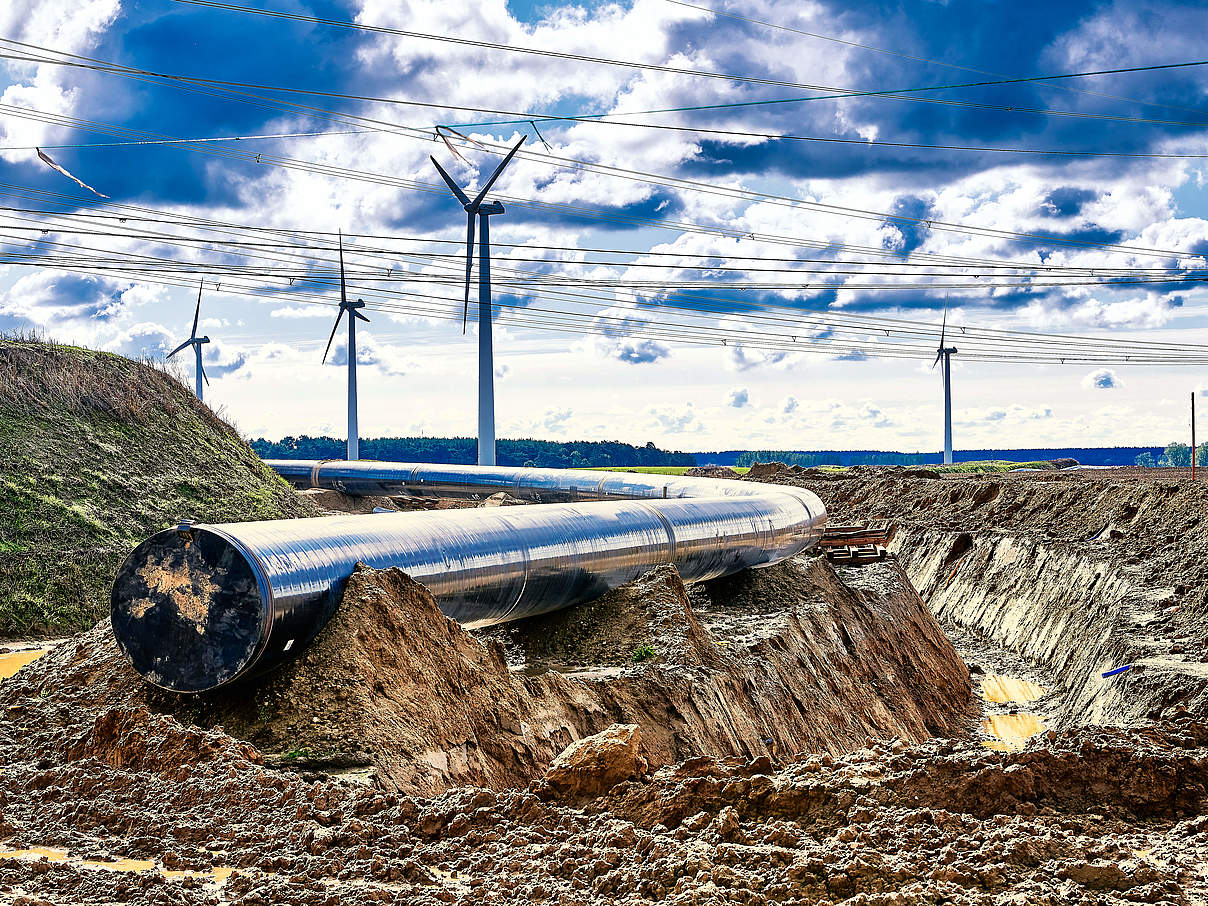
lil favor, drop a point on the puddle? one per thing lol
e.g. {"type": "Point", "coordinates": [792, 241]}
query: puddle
{"type": "Point", "coordinates": [1011, 732]}
{"type": "Point", "coordinates": [1001, 689]}
{"type": "Point", "coordinates": [34, 854]}
{"type": "Point", "coordinates": [216, 876]}
{"type": "Point", "coordinates": [12, 661]}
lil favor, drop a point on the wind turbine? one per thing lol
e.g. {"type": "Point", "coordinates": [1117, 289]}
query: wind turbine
{"type": "Point", "coordinates": [354, 444]}
{"type": "Point", "coordinates": [199, 372]}
{"type": "Point", "coordinates": [945, 353]}
{"type": "Point", "coordinates": [486, 366]}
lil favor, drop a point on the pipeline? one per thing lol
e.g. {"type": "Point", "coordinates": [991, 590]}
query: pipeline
{"type": "Point", "coordinates": [200, 606]}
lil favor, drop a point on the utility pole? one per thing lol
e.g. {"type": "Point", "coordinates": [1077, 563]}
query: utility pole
{"type": "Point", "coordinates": [1193, 435]}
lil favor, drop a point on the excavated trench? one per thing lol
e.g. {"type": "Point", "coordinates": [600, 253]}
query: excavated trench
{"type": "Point", "coordinates": [1077, 576]}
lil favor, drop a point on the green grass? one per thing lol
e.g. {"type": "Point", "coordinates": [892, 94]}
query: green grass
{"type": "Point", "coordinates": [659, 470]}
{"type": "Point", "coordinates": [985, 465]}
{"type": "Point", "coordinates": [644, 653]}
{"type": "Point", "coordinates": [97, 452]}
{"type": "Point", "coordinates": [993, 465]}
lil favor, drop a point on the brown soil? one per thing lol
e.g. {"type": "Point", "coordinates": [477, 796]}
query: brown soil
{"type": "Point", "coordinates": [1092, 817]}
{"type": "Point", "coordinates": [1078, 571]}
{"type": "Point", "coordinates": [711, 472]}
{"type": "Point", "coordinates": [393, 685]}
{"type": "Point", "coordinates": [1051, 576]}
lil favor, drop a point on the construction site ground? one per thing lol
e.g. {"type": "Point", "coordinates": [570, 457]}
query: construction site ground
{"type": "Point", "coordinates": [934, 728]}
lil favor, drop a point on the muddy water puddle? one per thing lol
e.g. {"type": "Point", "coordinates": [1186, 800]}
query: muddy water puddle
{"type": "Point", "coordinates": [216, 876]}
{"type": "Point", "coordinates": [1001, 689]}
{"type": "Point", "coordinates": [1015, 697]}
{"type": "Point", "coordinates": [12, 661]}
{"type": "Point", "coordinates": [1011, 731]}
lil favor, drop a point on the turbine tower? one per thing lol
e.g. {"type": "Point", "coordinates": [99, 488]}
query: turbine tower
{"type": "Point", "coordinates": [486, 365]}
{"type": "Point", "coordinates": [945, 353]}
{"type": "Point", "coordinates": [199, 372]}
{"type": "Point", "coordinates": [354, 442]}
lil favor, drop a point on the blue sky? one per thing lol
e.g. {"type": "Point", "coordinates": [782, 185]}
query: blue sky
{"type": "Point", "coordinates": [418, 369]}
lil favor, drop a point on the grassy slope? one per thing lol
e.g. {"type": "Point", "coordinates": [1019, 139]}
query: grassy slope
{"type": "Point", "coordinates": [96, 453]}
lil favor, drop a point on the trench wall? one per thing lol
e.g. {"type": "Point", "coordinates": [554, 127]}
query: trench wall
{"type": "Point", "coordinates": [1078, 575]}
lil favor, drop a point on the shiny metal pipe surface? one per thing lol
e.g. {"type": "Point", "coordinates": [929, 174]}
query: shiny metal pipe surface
{"type": "Point", "coordinates": [201, 606]}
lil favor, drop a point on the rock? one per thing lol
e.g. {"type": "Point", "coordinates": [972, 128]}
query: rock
{"type": "Point", "coordinates": [594, 765]}
{"type": "Point", "coordinates": [711, 472]}
{"type": "Point", "coordinates": [503, 498]}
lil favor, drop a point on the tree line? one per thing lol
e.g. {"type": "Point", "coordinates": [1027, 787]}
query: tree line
{"type": "Point", "coordinates": [580, 454]}
{"type": "Point", "coordinates": [1175, 455]}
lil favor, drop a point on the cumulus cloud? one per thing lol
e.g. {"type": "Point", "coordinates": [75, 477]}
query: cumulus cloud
{"type": "Point", "coordinates": [674, 421]}
{"type": "Point", "coordinates": [388, 359]}
{"type": "Point", "coordinates": [555, 420]}
{"type": "Point", "coordinates": [1102, 379]}
{"type": "Point", "coordinates": [790, 405]}
{"type": "Point", "coordinates": [640, 352]}
{"type": "Point", "coordinates": [739, 399]}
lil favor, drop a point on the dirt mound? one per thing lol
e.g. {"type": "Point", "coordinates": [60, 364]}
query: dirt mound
{"type": "Point", "coordinates": [394, 686]}
{"type": "Point", "coordinates": [646, 619]}
{"type": "Point", "coordinates": [1088, 817]}
{"type": "Point", "coordinates": [711, 472]}
{"type": "Point", "coordinates": [335, 502]}
{"type": "Point", "coordinates": [99, 452]}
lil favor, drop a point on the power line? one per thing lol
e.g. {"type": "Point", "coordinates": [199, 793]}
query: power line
{"type": "Point", "coordinates": [906, 56]}
{"type": "Point", "coordinates": [625, 173]}
{"type": "Point", "coordinates": [654, 67]}
{"type": "Point", "coordinates": [1137, 354]}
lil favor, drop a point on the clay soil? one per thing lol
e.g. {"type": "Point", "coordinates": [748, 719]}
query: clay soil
{"type": "Point", "coordinates": [874, 790]}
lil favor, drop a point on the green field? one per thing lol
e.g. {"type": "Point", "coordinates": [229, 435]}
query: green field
{"type": "Point", "coordinates": [660, 470]}
{"type": "Point", "coordinates": [993, 465]}
{"type": "Point", "coordinates": [978, 466]}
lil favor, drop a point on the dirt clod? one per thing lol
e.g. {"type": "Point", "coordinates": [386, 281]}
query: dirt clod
{"type": "Point", "coordinates": [594, 765]}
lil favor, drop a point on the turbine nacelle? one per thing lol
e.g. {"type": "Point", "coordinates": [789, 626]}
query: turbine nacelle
{"type": "Point", "coordinates": [486, 210]}
{"type": "Point", "coordinates": [475, 209]}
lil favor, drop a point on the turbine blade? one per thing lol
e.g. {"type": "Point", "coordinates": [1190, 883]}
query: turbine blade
{"type": "Point", "coordinates": [361, 316]}
{"type": "Point", "coordinates": [334, 328]}
{"type": "Point", "coordinates": [937, 360]}
{"type": "Point", "coordinates": [205, 377]}
{"type": "Point", "coordinates": [178, 348]}
{"type": "Point", "coordinates": [944, 327]}
{"type": "Point", "coordinates": [197, 312]}
{"type": "Point", "coordinates": [465, 312]}
{"type": "Point", "coordinates": [343, 294]}
{"type": "Point", "coordinates": [461, 196]}
{"type": "Point", "coordinates": [494, 176]}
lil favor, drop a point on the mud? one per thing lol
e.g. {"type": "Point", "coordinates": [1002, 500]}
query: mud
{"type": "Point", "coordinates": [398, 692]}
{"type": "Point", "coordinates": [1092, 817]}
{"type": "Point", "coordinates": [1079, 573]}
{"type": "Point", "coordinates": [405, 761]}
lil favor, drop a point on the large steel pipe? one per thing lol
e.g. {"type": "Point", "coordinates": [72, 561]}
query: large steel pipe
{"type": "Point", "coordinates": [201, 606]}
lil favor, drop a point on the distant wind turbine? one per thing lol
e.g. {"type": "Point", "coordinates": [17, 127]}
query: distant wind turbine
{"type": "Point", "coordinates": [486, 369]}
{"type": "Point", "coordinates": [196, 342]}
{"type": "Point", "coordinates": [945, 353]}
{"type": "Point", "coordinates": [354, 445]}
